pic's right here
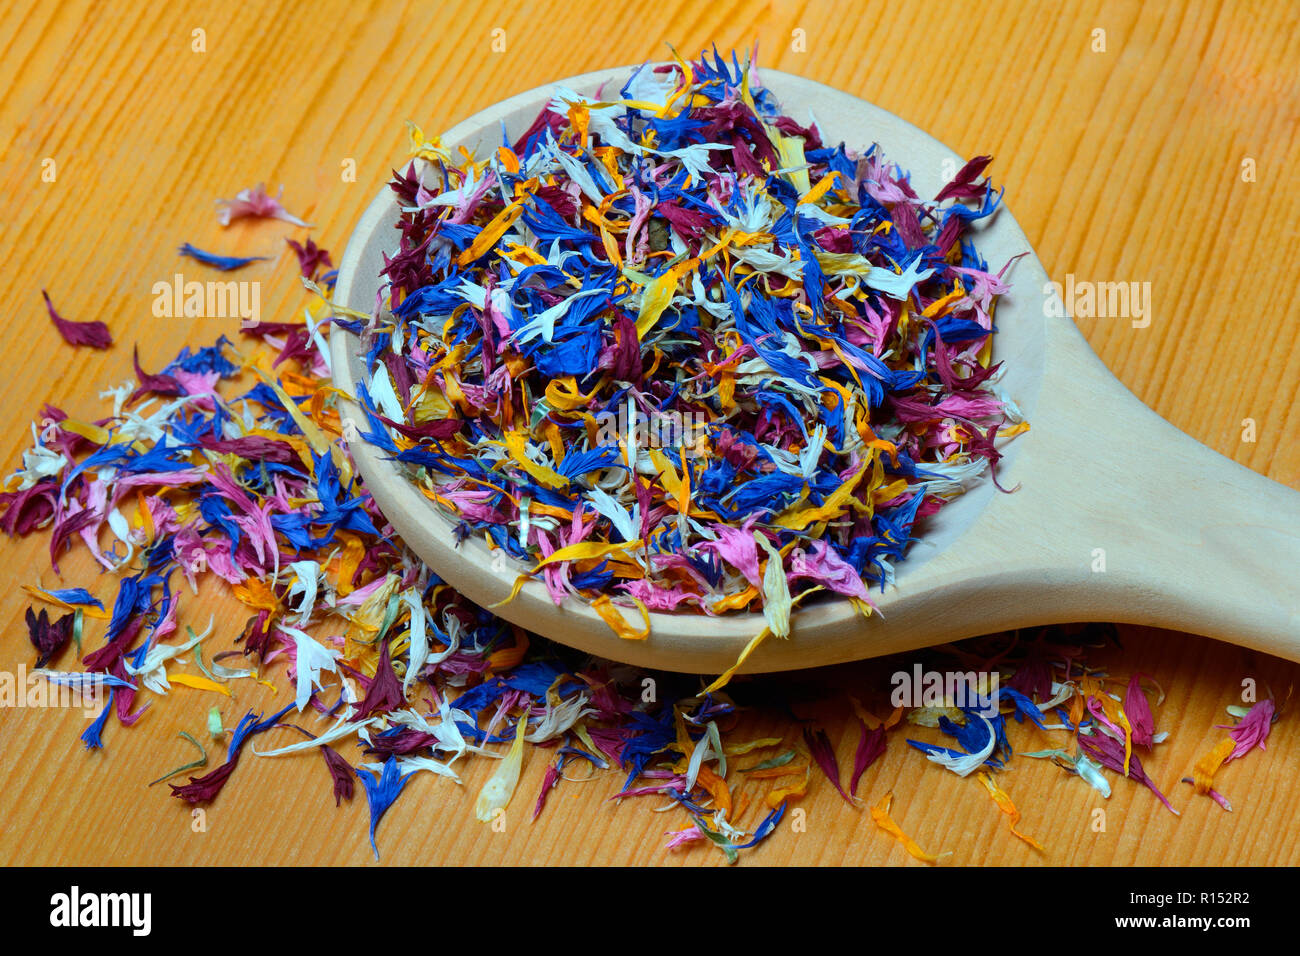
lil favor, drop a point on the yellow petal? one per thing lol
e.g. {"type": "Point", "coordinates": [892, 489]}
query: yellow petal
{"type": "Point", "coordinates": [832, 508]}
{"type": "Point", "coordinates": [516, 445]}
{"type": "Point", "coordinates": [739, 750]}
{"type": "Point", "coordinates": [776, 589]}
{"type": "Point", "coordinates": [95, 433]}
{"type": "Point", "coordinates": [588, 549]}
{"type": "Point", "coordinates": [790, 151]}
{"type": "Point", "coordinates": [319, 441]}
{"type": "Point", "coordinates": [198, 683]}
{"type": "Point", "coordinates": [730, 672]}
{"type": "Point", "coordinates": [880, 814]}
{"type": "Point", "coordinates": [659, 294]}
{"type": "Point", "coordinates": [1004, 803]}
{"type": "Point", "coordinates": [612, 616]}
{"type": "Point", "coordinates": [792, 792]}
{"type": "Point", "coordinates": [500, 787]}
{"type": "Point", "coordinates": [491, 233]}
{"type": "Point", "coordinates": [821, 189]}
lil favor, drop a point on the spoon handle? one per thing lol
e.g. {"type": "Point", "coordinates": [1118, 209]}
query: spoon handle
{"type": "Point", "coordinates": [1153, 526]}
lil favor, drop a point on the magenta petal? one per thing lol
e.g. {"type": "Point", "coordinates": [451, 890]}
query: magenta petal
{"type": "Point", "coordinates": [1137, 710]}
{"type": "Point", "coordinates": [549, 781]}
{"type": "Point", "coordinates": [1109, 752]}
{"type": "Point", "coordinates": [1253, 729]}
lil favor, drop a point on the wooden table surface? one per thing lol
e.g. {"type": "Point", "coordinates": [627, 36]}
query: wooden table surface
{"type": "Point", "coordinates": [1131, 163]}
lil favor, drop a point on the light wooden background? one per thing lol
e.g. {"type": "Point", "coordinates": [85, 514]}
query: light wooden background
{"type": "Point", "coordinates": [1121, 165]}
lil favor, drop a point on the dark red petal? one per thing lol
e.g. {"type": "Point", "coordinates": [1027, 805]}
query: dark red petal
{"type": "Point", "coordinates": [385, 691]}
{"type": "Point", "coordinates": [870, 747]}
{"type": "Point", "coordinates": [341, 771]}
{"type": "Point", "coordinates": [819, 745]}
{"type": "Point", "coordinates": [48, 637]}
{"type": "Point", "coordinates": [94, 334]}
{"type": "Point", "coordinates": [204, 789]}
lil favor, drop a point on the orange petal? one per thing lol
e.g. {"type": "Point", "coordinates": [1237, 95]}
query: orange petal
{"type": "Point", "coordinates": [880, 813]}
{"type": "Point", "coordinates": [1205, 769]}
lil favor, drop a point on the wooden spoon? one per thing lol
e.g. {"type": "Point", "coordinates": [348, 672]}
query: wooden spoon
{"type": "Point", "coordinates": [1118, 516]}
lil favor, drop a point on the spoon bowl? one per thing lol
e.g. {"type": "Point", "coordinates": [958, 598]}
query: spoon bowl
{"type": "Point", "coordinates": [1116, 515]}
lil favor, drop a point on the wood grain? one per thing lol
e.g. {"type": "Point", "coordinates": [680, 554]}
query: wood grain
{"type": "Point", "coordinates": [1123, 165]}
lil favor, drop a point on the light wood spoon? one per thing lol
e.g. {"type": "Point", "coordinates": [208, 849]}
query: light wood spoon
{"type": "Point", "coordinates": [1118, 516]}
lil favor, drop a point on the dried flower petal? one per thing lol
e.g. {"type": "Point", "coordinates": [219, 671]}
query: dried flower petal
{"type": "Point", "coordinates": [880, 814]}
{"type": "Point", "coordinates": [94, 334]}
{"type": "Point", "coordinates": [255, 202]}
{"type": "Point", "coordinates": [1111, 753]}
{"type": "Point", "coordinates": [49, 638]}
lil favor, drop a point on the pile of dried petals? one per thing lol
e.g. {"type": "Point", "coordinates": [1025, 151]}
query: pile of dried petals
{"type": "Point", "coordinates": [673, 351]}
